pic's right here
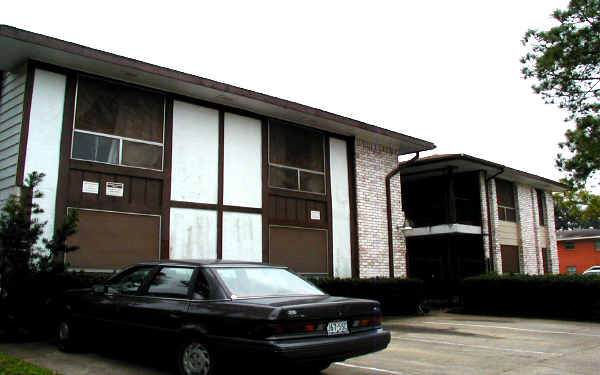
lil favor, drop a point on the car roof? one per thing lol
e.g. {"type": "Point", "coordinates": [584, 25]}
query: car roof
{"type": "Point", "coordinates": [209, 263]}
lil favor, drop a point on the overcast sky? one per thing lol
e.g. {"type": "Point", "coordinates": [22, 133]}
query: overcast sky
{"type": "Point", "coordinates": [444, 71]}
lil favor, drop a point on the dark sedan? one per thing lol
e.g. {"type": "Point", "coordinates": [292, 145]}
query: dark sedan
{"type": "Point", "coordinates": [215, 312]}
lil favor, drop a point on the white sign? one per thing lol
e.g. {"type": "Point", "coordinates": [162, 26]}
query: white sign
{"type": "Point", "coordinates": [90, 187]}
{"type": "Point", "coordinates": [115, 189]}
{"type": "Point", "coordinates": [315, 215]}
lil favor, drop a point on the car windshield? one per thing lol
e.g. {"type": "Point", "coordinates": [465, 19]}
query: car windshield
{"type": "Point", "coordinates": [262, 281]}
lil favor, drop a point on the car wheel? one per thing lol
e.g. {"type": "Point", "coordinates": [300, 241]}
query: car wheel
{"type": "Point", "coordinates": [66, 337]}
{"type": "Point", "coordinates": [196, 358]}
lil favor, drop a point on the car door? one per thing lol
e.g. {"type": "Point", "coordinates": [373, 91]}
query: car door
{"type": "Point", "coordinates": [161, 306]}
{"type": "Point", "coordinates": [120, 292]}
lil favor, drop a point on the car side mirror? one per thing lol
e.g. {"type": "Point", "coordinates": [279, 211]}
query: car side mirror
{"type": "Point", "coordinates": [100, 288]}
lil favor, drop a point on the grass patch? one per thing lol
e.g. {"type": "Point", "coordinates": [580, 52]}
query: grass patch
{"type": "Point", "coordinates": [14, 366]}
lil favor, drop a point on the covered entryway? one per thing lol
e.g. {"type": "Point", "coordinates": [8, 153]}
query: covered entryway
{"type": "Point", "coordinates": [443, 261]}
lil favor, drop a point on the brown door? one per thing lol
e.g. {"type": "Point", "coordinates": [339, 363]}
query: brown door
{"type": "Point", "coordinates": [110, 240]}
{"type": "Point", "coordinates": [510, 258]}
{"type": "Point", "coordinates": [304, 250]}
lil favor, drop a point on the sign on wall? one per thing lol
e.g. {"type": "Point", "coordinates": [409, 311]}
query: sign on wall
{"type": "Point", "coordinates": [114, 189]}
{"type": "Point", "coordinates": [90, 187]}
{"type": "Point", "coordinates": [315, 215]}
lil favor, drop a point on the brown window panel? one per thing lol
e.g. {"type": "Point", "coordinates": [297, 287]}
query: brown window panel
{"type": "Point", "coordinates": [142, 155]}
{"type": "Point", "coordinates": [297, 147]}
{"type": "Point", "coordinates": [283, 178]}
{"type": "Point", "coordinates": [121, 110]}
{"type": "Point", "coordinates": [505, 193]}
{"type": "Point", "coordinates": [312, 182]}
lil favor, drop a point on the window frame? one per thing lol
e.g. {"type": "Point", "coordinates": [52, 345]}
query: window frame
{"type": "Point", "coordinates": [119, 138]}
{"type": "Point", "coordinates": [127, 272]}
{"type": "Point", "coordinates": [569, 245]}
{"type": "Point", "coordinates": [502, 209]}
{"type": "Point", "coordinates": [297, 169]}
{"type": "Point", "coordinates": [541, 202]}
{"type": "Point", "coordinates": [597, 245]}
{"type": "Point", "coordinates": [571, 270]}
{"type": "Point", "coordinates": [145, 291]}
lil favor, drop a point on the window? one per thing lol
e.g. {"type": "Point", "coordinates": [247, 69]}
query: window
{"type": "Point", "coordinates": [571, 270]}
{"type": "Point", "coordinates": [546, 261]}
{"type": "Point", "coordinates": [506, 201]}
{"type": "Point", "coordinates": [296, 158]}
{"type": "Point", "coordinates": [597, 245]}
{"type": "Point", "coordinates": [541, 206]}
{"type": "Point", "coordinates": [569, 245]}
{"type": "Point", "coordinates": [201, 288]}
{"type": "Point", "coordinates": [129, 282]}
{"type": "Point", "coordinates": [171, 282]}
{"type": "Point", "coordinates": [118, 124]}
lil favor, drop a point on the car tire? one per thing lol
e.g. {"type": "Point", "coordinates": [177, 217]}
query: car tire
{"type": "Point", "coordinates": [67, 337]}
{"type": "Point", "coordinates": [196, 358]}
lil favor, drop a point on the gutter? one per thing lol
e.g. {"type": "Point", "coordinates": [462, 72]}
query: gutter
{"type": "Point", "coordinates": [490, 266]}
{"type": "Point", "coordinates": [388, 199]}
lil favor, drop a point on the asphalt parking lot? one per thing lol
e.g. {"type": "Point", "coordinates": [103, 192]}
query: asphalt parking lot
{"type": "Point", "coordinates": [438, 343]}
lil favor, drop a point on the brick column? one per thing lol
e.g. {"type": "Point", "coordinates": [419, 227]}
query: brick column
{"type": "Point", "coordinates": [528, 251]}
{"type": "Point", "coordinates": [484, 218]}
{"type": "Point", "coordinates": [373, 163]}
{"type": "Point", "coordinates": [551, 226]}
{"type": "Point", "coordinates": [399, 241]}
{"type": "Point", "coordinates": [494, 227]}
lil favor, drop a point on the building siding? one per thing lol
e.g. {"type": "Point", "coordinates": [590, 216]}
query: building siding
{"type": "Point", "coordinates": [12, 100]}
{"type": "Point", "coordinates": [373, 163]}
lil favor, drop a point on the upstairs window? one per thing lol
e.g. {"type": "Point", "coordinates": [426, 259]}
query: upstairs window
{"type": "Point", "coordinates": [597, 245]}
{"type": "Point", "coordinates": [118, 124]}
{"type": "Point", "coordinates": [541, 202]}
{"type": "Point", "coordinates": [506, 201]}
{"type": "Point", "coordinates": [569, 245]}
{"type": "Point", "coordinates": [296, 158]}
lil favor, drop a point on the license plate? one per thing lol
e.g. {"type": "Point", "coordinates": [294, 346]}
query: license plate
{"type": "Point", "coordinates": [339, 327]}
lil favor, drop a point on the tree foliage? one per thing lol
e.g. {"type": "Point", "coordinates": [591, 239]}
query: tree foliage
{"type": "Point", "coordinates": [576, 209]}
{"type": "Point", "coordinates": [565, 63]}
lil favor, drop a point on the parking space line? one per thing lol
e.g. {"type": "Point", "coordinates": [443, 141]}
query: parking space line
{"type": "Point", "coordinates": [471, 346]}
{"type": "Point", "coordinates": [517, 329]}
{"type": "Point", "coordinates": [368, 368]}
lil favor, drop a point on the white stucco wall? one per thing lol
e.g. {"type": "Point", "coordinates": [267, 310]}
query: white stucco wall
{"type": "Point", "coordinates": [195, 160]}
{"type": "Point", "coordinates": [242, 174]}
{"type": "Point", "coordinates": [43, 140]}
{"type": "Point", "coordinates": [242, 236]}
{"type": "Point", "coordinates": [340, 208]}
{"type": "Point", "coordinates": [193, 234]}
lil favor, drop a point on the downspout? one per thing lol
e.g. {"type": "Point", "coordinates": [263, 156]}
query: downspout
{"type": "Point", "coordinates": [388, 198]}
{"type": "Point", "coordinates": [489, 223]}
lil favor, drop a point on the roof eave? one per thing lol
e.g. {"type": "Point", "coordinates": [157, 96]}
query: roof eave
{"type": "Point", "coordinates": [19, 46]}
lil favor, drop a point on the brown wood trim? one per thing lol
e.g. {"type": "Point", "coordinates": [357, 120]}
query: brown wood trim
{"type": "Point", "coordinates": [295, 224]}
{"type": "Point", "coordinates": [329, 204]}
{"type": "Point", "coordinates": [220, 184]}
{"type": "Point", "coordinates": [296, 194]}
{"type": "Point", "coordinates": [199, 206]}
{"type": "Point", "coordinates": [62, 187]}
{"type": "Point", "coordinates": [354, 253]}
{"type": "Point", "coordinates": [248, 210]}
{"type": "Point", "coordinates": [166, 198]}
{"type": "Point", "coordinates": [90, 166]}
{"type": "Point", "coordinates": [25, 123]}
{"type": "Point", "coordinates": [265, 190]}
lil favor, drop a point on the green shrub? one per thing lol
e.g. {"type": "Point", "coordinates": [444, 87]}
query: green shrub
{"type": "Point", "coordinates": [561, 296]}
{"type": "Point", "coordinates": [397, 296]}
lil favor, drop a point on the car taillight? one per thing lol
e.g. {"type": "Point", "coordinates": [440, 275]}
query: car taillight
{"type": "Point", "coordinates": [371, 321]}
{"type": "Point", "coordinates": [271, 329]}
